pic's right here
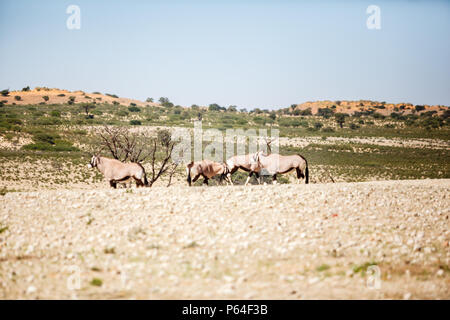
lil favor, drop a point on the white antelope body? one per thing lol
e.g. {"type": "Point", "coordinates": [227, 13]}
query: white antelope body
{"type": "Point", "coordinates": [275, 164]}
{"type": "Point", "coordinates": [116, 172]}
{"type": "Point", "coordinates": [207, 169]}
{"type": "Point", "coordinates": [242, 162]}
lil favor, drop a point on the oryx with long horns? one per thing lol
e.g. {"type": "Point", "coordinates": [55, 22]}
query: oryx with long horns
{"type": "Point", "coordinates": [116, 172]}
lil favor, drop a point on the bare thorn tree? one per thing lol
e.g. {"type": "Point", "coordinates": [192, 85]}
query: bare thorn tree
{"type": "Point", "coordinates": [111, 139]}
{"type": "Point", "coordinates": [172, 169]}
{"type": "Point", "coordinates": [161, 154]}
{"type": "Point", "coordinates": [125, 145]}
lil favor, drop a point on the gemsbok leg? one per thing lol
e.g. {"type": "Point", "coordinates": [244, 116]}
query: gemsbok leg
{"type": "Point", "coordinates": [195, 178]}
{"type": "Point", "coordinates": [274, 179]}
{"type": "Point", "coordinates": [300, 175]}
{"type": "Point", "coordinates": [258, 177]}
{"type": "Point", "coordinates": [139, 182]}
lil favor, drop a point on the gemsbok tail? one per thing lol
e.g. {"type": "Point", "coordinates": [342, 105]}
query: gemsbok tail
{"type": "Point", "coordinates": [306, 174]}
{"type": "Point", "coordinates": [306, 169]}
{"type": "Point", "coordinates": [188, 172]}
{"type": "Point", "coordinates": [145, 180]}
{"type": "Point", "coordinates": [144, 174]}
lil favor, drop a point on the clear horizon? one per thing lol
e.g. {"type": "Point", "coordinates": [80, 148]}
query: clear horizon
{"type": "Point", "coordinates": [265, 54]}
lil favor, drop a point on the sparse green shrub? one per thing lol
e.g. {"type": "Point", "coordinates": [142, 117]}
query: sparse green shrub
{"type": "Point", "coordinates": [122, 113]}
{"type": "Point", "coordinates": [5, 92]}
{"type": "Point", "coordinates": [325, 112]}
{"type": "Point", "coordinates": [96, 282]}
{"type": "Point", "coordinates": [45, 137]}
{"type": "Point", "coordinates": [12, 120]}
{"type": "Point", "coordinates": [165, 102]}
{"type": "Point", "coordinates": [216, 107]}
{"type": "Point", "coordinates": [433, 122]}
{"type": "Point", "coordinates": [135, 122]}
{"type": "Point", "coordinates": [50, 121]}
{"type": "Point", "coordinates": [446, 114]}
{"type": "Point", "coordinates": [419, 108]}
{"type": "Point", "coordinates": [174, 117]}
{"type": "Point", "coordinates": [363, 267]}
{"type": "Point", "coordinates": [71, 100]}
{"type": "Point", "coordinates": [133, 108]}
{"type": "Point", "coordinates": [241, 122]}
{"type": "Point", "coordinates": [18, 98]}
{"type": "Point", "coordinates": [292, 122]}
{"type": "Point", "coordinates": [185, 115]}
{"type": "Point", "coordinates": [322, 267]}
{"type": "Point", "coordinates": [26, 89]}
{"type": "Point", "coordinates": [155, 116]}
{"type": "Point", "coordinates": [87, 107]}
{"type": "Point", "coordinates": [340, 118]}
{"type": "Point", "coordinates": [46, 98]}
{"type": "Point", "coordinates": [354, 126]}
{"type": "Point", "coordinates": [55, 113]}
{"type": "Point", "coordinates": [272, 117]}
{"type": "Point", "coordinates": [306, 112]}
{"type": "Point", "coordinates": [397, 116]}
{"type": "Point", "coordinates": [259, 120]}
{"type": "Point", "coordinates": [59, 145]}
{"type": "Point", "coordinates": [428, 113]}
{"type": "Point", "coordinates": [327, 129]}
{"type": "Point", "coordinates": [80, 132]}
{"type": "Point", "coordinates": [377, 115]}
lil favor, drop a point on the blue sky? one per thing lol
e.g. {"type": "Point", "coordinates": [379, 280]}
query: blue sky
{"type": "Point", "coordinates": [265, 54]}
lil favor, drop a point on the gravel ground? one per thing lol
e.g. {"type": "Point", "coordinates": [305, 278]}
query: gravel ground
{"type": "Point", "coordinates": [372, 240]}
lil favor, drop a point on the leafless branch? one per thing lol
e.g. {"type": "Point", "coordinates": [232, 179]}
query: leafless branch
{"type": "Point", "coordinates": [173, 168]}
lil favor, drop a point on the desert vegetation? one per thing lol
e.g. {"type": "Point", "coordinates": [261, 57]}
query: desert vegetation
{"type": "Point", "coordinates": [343, 141]}
{"type": "Point", "coordinates": [322, 240]}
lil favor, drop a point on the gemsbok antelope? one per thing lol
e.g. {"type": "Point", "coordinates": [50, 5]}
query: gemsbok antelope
{"type": "Point", "coordinates": [242, 162]}
{"type": "Point", "coordinates": [116, 172]}
{"type": "Point", "coordinates": [274, 164]}
{"type": "Point", "coordinates": [207, 169]}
